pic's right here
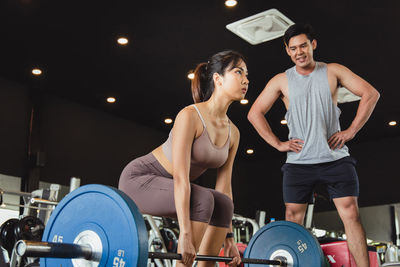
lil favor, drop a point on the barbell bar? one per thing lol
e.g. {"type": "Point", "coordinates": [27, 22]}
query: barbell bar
{"type": "Point", "coordinates": [103, 227]}
{"type": "Point", "coordinates": [174, 256]}
{"type": "Point", "coordinates": [26, 248]}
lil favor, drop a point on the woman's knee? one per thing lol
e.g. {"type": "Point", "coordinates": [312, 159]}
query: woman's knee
{"type": "Point", "coordinates": [223, 210]}
{"type": "Point", "coordinates": [201, 205]}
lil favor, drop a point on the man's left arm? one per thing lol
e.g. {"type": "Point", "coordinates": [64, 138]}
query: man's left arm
{"type": "Point", "coordinates": [369, 97]}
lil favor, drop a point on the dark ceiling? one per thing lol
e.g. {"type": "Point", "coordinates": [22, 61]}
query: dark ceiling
{"type": "Point", "coordinates": [74, 43]}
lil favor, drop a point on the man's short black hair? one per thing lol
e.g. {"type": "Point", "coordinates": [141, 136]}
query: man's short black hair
{"type": "Point", "coordinates": [297, 29]}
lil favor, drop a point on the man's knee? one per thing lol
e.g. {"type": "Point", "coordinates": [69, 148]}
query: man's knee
{"type": "Point", "coordinates": [348, 210]}
{"type": "Point", "coordinates": [350, 216]}
{"type": "Point", "coordinates": [295, 212]}
{"type": "Point", "coordinates": [294, 217]}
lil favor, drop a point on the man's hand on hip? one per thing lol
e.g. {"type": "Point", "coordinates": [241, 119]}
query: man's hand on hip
{"type": "Point", "coordinates": [295, 145]}
{"type": "Point", "coordinates": [340, 138]}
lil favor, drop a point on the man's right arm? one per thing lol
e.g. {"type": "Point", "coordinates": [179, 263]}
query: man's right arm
{"type": "Point", "coordinates": [261, 106]}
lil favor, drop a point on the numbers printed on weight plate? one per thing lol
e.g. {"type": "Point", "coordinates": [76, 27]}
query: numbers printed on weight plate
{"type": "Point", "coordinates": [301, 246]}
{"type": "Point", "coordinates": [119, 261]}
{"type": "Point", "coordinates": [57, 239]}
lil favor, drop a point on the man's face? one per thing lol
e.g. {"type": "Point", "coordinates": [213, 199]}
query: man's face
{"type": "Point", "coordinates": [300, 49]}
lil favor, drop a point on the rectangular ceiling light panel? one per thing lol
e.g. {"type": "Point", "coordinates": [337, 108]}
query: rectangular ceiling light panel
{"type": "Point", "coordinates": [261, 27]}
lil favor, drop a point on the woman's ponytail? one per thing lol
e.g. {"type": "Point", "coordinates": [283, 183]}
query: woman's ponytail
{"type": "Point", "coordinates": [199, 82]}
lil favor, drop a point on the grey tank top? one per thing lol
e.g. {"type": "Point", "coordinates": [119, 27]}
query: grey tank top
{"type": "Point", "coordinates": [312, 116]}
{"type": "Point", "coordinates": [204, 154]}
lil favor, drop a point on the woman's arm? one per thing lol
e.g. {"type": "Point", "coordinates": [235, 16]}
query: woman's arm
{"type": "Point", "coordinates": [224, 185]}
{"type": "Point", "coordinates": [224, 174]}
{"type": "Point", "coordinates": [183, 134]}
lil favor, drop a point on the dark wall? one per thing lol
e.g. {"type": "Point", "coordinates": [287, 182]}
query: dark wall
{"type": "Point", "coordinates": [378, 171]}
{"type": "Point", "coordinates": [257, 185]}
{"type": "Point", "coordinates": [95, 146]}
{"type": "Point", "coordinates": [77, 141]}
{"type": "Point", "coordinates": [14, 121]}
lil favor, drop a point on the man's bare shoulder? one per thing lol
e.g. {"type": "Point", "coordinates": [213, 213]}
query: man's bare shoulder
{"type": "Point", "coordinates": [280, 77]}
{"type": "Point", "coordinates": [335, 67]}
{"type": "Point", "coordinates": [278, 81]}
{"type": "Point", "coordinates": [338, 70]}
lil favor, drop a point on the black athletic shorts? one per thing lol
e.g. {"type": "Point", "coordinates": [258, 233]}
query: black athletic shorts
{"type": "Point", "coordinates": [339, 177]}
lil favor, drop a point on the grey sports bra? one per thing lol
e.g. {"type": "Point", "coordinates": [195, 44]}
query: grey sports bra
{"type": "Point", "coordinates": [205, 154]}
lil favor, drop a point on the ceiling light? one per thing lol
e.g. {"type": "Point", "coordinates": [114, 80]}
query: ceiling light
{"type": "Point", "coordinates": [122, 41]}
{"type": "Point", "coordinates": [168, 120]}
{"type": "Point", "coordinates": [262, 27]}
{"type": "Point", "coordinates": [392, 123]}
{"type": "Point", "coordinates": [244, 101]}
{"type": "Point", "coordinates": [191, 76]}
{"type": "Point", "coordinates": [111, 99]}
{"type": "Point", "coordinates": [36, 71]}
{"type": "Point", "coordinates": [230, 3]}
{"type": "Point", "coordinates": [283, 122]}
{"type": "Point", "coordinates": [250, 151]}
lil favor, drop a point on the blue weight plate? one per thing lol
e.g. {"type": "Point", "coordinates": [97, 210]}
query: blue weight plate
{"type": "Point", "coordinates": [286, 238]}
{"type": "Point", "coordinates": [108, 212]}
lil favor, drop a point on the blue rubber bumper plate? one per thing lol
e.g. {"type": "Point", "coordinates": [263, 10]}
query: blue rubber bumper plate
{"type": "Point", "coordinates": [108, 212]}
{"type": "Point", "coordinates": [285, 239]}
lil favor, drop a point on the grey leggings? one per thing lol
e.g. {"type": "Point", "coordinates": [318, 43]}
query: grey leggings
{"type": "Point", "coordinates": [152, 189]}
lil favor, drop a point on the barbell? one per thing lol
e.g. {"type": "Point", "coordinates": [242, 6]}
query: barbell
{"type": "Point", "coordinates": [97, 225]}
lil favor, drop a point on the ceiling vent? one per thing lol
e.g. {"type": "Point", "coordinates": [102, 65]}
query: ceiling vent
{"type": "Point", "coordinates": [261, 27]}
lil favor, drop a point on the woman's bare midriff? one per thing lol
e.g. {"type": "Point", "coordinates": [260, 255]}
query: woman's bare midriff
{"type": "Point", "coordinates": [160, 156]}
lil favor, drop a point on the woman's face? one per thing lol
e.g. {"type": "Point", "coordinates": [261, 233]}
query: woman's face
{"type": "Point", "coordinates": [234, 82]}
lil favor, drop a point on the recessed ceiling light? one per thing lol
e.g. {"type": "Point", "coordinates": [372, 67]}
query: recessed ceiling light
{"type": "Point", "coordinates": [230, 3]}
{"type": "Point", "coordinates": [111, 99]}
{"type": "Point", "coordinates": [168, 120]}
{"type": "Point", "coordinates": [36, 71]}
{"type": "Point", "coordinates": [191, 76]}
{"type": "Point", "coordinates": [283, 122]}
{"type": "Point", "coordinates": [244, 101]}
{"type": "Point", "coordinates": [250, 151]}
{"type": "Point", "coordinates": [261, 27]}
{"type": "Point", "coordinates": [122, 41]}
{"type": "Point", "coordinates": [392, 123]}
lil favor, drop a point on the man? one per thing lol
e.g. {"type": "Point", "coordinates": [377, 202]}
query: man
{"type": "Point", "coordinates": [316, 151]}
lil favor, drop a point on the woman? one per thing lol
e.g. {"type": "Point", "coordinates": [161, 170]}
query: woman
{"type": "Point", "coordinates": [202, 137]}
